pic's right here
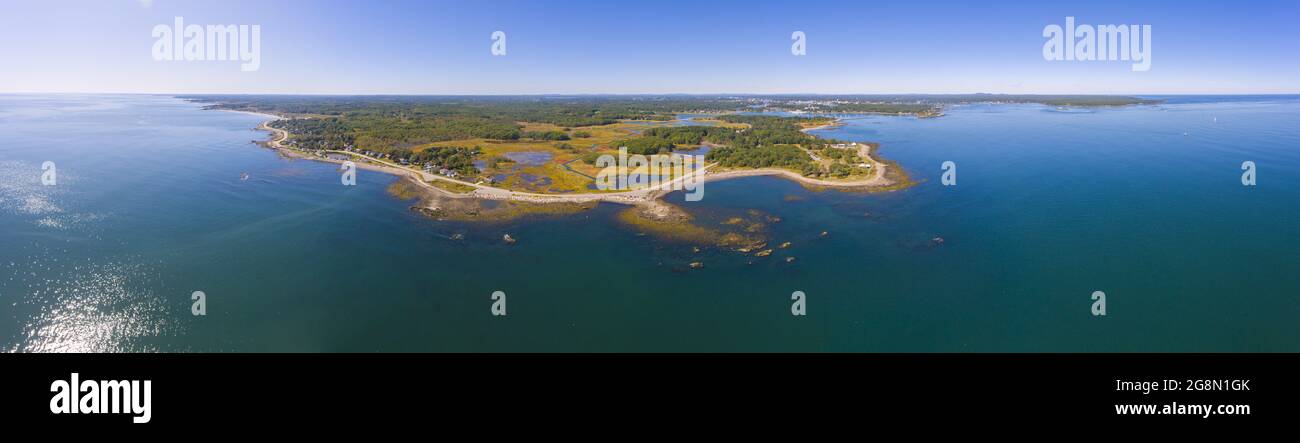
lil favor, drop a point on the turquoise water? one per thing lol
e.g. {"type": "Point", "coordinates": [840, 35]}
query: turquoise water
{"type": "Point", "coordinates": [1143, 203]}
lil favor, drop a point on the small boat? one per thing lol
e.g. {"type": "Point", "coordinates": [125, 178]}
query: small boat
{"type": "Point", "coordinates": [243, 176]}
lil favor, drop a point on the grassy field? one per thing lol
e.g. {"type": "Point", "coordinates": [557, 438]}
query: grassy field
{"type": "Point", "coordinates": [601, 140]}
{"type": "Point", "coordinates": [564, 171]}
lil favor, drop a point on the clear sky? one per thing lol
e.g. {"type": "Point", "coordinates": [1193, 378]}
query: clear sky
{"type": "Point", "coordinates": [662, 46]}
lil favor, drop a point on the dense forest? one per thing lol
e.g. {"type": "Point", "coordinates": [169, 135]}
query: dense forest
{"type": "Point", "coordinates": [314, 134]}
{"type": "Point", "coordinates": [770, 141]}
{"type": "Point", "coordinates": [454, 158]}
{"type": "Point", "coordinates": [393, 123]}
{"type": "Point", "coordinates": [785, 156]}
{"type": "Point", "coordinates": [763, 130]}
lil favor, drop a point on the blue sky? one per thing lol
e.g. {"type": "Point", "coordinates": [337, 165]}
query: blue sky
{"type": "Point", "coordinates": [663, 46]}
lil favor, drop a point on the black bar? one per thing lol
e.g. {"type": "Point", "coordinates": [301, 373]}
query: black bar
{"type": "Point", "coordinates": [238, 390]}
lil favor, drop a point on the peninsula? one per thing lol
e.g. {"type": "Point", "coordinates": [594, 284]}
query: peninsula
{"type": "Point", "coordinates": [543, 150]}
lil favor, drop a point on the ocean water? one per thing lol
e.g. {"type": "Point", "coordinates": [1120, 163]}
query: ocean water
{"type": "Point", "coordinates": [1144, 203]}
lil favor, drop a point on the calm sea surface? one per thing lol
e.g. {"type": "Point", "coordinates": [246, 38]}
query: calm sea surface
{"type": "Point", "coordinates": [1143, 203]}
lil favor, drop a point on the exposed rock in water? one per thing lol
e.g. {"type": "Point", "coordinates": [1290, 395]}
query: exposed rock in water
{"type": "Point", "coordinates": [678, 227]}
{"type": "Point", "coordinates": [434, 212]}
{"type": "Point", "coordinates": [437, 205]}
{"type": "Point", "coordinates": [664, 212]}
